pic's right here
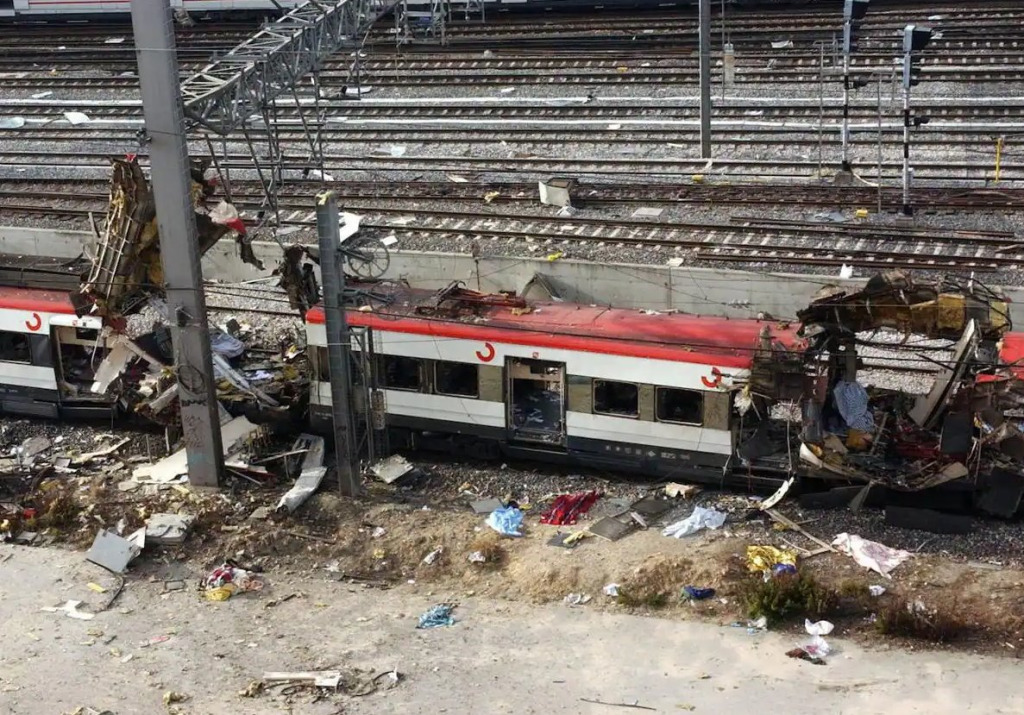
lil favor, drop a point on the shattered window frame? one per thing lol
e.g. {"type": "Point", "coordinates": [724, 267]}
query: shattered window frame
{"type": "Point", "coordinates": [384, 362]}
{"type": "Point", "coordinates": [634, 415]}
{"type": "Point", "coordinates": [17, 338]}
{"type": "Point", "coordinates": [659, 399]}
{"type": "Point", "coordinates": [453, 365]}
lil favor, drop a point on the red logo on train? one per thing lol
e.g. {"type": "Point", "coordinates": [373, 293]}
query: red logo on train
{"type": "Point", "coordinates": [488, 355]}
{"type": "Point", "coordinates": [716, 380]}
{"type": "Point", "coordinates": [35, 324]}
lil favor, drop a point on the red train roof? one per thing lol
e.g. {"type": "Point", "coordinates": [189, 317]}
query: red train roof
{"type": "Point", "coordinates": [36, 299]}
{"type": "Point", "coordinates": [571, 326]}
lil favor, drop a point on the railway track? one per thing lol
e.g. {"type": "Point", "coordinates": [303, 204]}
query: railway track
{"type": "Point", "coordinates": [538, 167]}
{"type": "Point", "coordinates": [743, 241]}
{"type": "Point", "coordinates": [36, 198]}
{"type": "Point", "coordinates": [1005, 109]}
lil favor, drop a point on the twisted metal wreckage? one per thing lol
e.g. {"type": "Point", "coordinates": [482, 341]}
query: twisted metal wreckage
{"type": "Point", "coordinates": [126, 274]}
{"type": "Point", "coordinates": [963, 434]}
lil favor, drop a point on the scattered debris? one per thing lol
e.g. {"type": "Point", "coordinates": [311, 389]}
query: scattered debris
{"type": "Point", "coordinates": [567, 508]}
{"type": "Point", "coordinates": [391, 469]}
{"type": "Point", "coordinates": [433, 556]}
{"type": "Point", "coordinates": [870, 554]}
{"type": "Point", "coordinates": [701, 518]}
{"type": "Point", "coordinates": [611, 589]}
{"type": "Point", "coordinates": [175, 465]}
{"type": "Point", "coordinates": [316, 678]}
{"type": "Point", "coordinates": [114, 552]}
{"type": "Point", "coordinates": [556, 192]}
{"type": "Point", "coordinates": [228, 579]}
{"type": "Point", "coordinates": [611, 528]}
{"type": "Point", "coordinates": [674, 490]}
{"type": "Point", "coordinates": [507, 521]}
{"type": "Point", "coordinates": [477, 557]}
{"type": "Point", "coordinates": [693, 593]}
{"type": "Point", "coordinates": [766, 559]}
{"type": "Point", "coordinates": [568, 539]}
{"type": "Point", "coordinates": [440, 615]}
{"type": "Point", "coordinates": [486, 506]}
{"type": "Point", "coordinates": [876, 591]}
{"type": "Point", "coordinates": [647, 212]}
{"type": "Point", "coordinates": [634, 704]}
{"type": "Point", "coordinates": [171, 697]}
{"type": "Point", "coordinates": [168, 529]}
{"type": "Point", "coordinates": [70, 609]}
{"type": "Point", "coordinates": [310, 477]}
{"type": "Point", "coordinates": [576, 599]}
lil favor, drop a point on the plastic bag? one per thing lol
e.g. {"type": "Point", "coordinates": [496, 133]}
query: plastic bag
{"type": "Point", "coordinates": [506, 520]}
{"type": "Point", "coordinates": [701, 518]}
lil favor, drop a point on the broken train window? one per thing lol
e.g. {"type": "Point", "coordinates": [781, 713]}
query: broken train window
{"type": "Point", "coordinates": [616, 398]}
{"type": "Point", "coordinates": [456, 378]}
{"type": "Point", "coordinates": [683, 406]}
{"type": "Point", "coordinates": [400, 373]}
{"type": "Point", "coordinates": [14, 347]}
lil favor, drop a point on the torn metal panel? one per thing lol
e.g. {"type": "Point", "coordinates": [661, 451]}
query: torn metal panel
{"type": "Point", "coordinates": [175, 465]}
{"type": "Point", "coordinates": [127, 264]}
{"type": "Point", "coordinates": [927, 408]}
{"type": "Point", "coordinates": [893, 300]}
{"type": "Point", "coordinates": [113, 365]}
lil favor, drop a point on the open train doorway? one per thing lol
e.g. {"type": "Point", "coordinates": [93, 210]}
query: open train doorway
{"type": "Point", "coordinates": [536, 401]}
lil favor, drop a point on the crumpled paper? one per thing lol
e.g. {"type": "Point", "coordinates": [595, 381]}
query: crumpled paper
{"type": "Point", "coordinates": [701, 518]}
{"type": "Point", "coordinates": [870, 554]}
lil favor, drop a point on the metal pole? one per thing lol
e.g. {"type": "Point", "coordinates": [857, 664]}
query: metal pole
{"type": "Point", "coordinates": [847, 28]}
{"type": "Point", "coordinates": [704, 21]}
{"type": "Point", "coordinates": [907, 209]}
{"type": "Point", "coordinates": [179, 253]}
{"type": "Point", "coordinates": [339, 341]}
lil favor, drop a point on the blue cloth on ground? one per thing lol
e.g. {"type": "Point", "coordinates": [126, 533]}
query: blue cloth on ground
{"type": "Point", "coordinates": [506, 520]}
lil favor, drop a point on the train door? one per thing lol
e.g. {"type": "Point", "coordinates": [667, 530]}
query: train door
{"type": "Point", "coordinates": [536, 401]}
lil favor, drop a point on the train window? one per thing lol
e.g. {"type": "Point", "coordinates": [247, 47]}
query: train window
{"type": "Point", "coordinates": [14, 347]}
{"type": "Point", "coordinates": [621, 399]}
{"type": "Point", "coordinates": [675, 405]}
{"type": "Point", "coordinates": [320, 365]}
{"type": "Point", "coordinates": [400, 373]}
{"type": "Point", "coordinates": [456, 378]}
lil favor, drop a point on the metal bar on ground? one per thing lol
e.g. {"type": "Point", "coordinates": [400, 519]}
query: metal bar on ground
{"type": "Point", "coordinates": [339, 341]}
{"type": "Point", "coordinates": [169, 169]}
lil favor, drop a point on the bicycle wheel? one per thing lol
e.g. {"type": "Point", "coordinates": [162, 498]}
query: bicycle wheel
{"type": "Point", "coordinates": [367, 257]}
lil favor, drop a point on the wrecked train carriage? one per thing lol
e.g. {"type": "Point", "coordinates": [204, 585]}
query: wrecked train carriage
{"type": "Point", "coordinates": [48, 354]}
{"type": "Point", "coordinates": [635, 391]}
{"type": "Point", "coordinates": [961, 433]}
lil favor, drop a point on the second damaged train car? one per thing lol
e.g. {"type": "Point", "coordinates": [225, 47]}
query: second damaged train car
{"type": "Point", "coordinates": [747, 403]}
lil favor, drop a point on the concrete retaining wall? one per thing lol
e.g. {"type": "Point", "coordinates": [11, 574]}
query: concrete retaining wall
{"type": "Point", "coordinates": [692, 290]}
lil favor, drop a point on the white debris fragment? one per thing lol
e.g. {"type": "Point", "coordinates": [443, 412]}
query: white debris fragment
{"type": "Point", "coordinates": [76, 118]}
{"type": "Point", "coordinates": [71, 610]}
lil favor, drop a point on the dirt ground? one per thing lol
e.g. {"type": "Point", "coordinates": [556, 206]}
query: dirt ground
{"type": "Point", "coordinates": [501, 656]}
{"type": "Point", "coordinates": [347, 580]}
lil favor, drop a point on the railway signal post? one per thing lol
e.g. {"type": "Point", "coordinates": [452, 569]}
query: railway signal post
{"type": "Point", "coordinates": [704, 30]}
{"type": "Point", "coordinates": [853, 12]}
{"type": "Point", "coordinates": [339, 340]}
{"type": "Point", "coordinates": [169, 168]}
{"type": "Point", "coordinates": [915, 39]}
